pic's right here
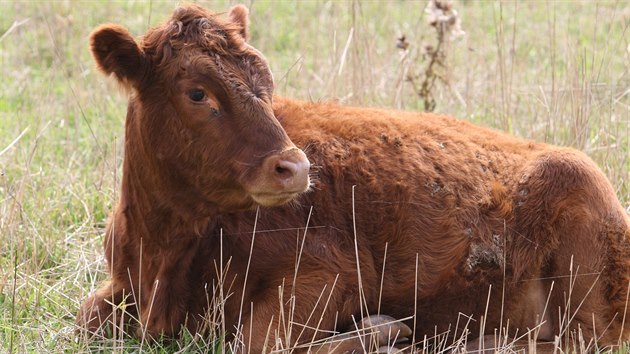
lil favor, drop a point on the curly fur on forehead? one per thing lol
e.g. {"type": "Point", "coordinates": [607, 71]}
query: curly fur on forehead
{"type": "Point", "coordinates": [192, 25]}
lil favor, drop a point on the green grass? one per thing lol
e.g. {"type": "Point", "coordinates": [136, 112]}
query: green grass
{"type": "Point", "coordinates": [554, 71]}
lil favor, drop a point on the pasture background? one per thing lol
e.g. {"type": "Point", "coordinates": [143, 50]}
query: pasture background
{"type": "Point", "coordinates": [553, 71]}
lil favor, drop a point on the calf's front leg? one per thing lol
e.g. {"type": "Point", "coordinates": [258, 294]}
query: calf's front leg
{"type": "Point", "coordinates": [167, 301]}
{"type": "Point", "coordinates": [107, 311]}
{"type": "Point", "coordinates": [305, 323]}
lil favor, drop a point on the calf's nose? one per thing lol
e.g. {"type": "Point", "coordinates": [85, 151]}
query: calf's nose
{"type": "Point", "coordinates": [289, 170]}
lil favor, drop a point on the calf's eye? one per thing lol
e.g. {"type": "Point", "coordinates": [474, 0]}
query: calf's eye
{"type": "Point", "coordinates": [196, 95]}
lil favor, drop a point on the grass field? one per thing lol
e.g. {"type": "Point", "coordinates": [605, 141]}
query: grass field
{"type": "Point", "coordinates": [553, 71]}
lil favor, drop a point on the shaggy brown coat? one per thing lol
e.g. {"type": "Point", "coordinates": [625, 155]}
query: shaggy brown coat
{"type": "Point", "coordinates": [417, 216]}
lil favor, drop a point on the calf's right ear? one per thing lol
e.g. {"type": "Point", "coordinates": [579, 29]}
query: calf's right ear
{"type": "Point", "coordinates": [116, 52]}
{"type": "Point", "coordinates": [239, 14]}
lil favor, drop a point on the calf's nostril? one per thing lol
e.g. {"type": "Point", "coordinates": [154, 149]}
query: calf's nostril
{"type": "Point", "coordinates": [281, 170]}
{"type": "Point", "coordinates": [285, 169]}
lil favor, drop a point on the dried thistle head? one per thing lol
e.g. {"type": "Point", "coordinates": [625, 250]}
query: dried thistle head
{"type": "Point", "coordinates": [444, 5]}
{"type": "Point", "coordinates": [402, 43]}
{"type": "Point", "coordinates": [442, 16]}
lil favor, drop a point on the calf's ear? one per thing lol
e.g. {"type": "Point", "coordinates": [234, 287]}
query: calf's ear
{"type": "Point", "coordinates": [239, 15]}
{"type": "Point", "coordinates": [116, 52]}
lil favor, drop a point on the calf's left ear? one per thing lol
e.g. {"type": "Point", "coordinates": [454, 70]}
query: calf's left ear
{"type": "Point", "coordinates": [239, 14]}
{"type": "Point", "coordinates": [116, 52]}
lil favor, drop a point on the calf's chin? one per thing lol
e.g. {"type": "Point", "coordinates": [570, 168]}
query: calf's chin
{"type": "Point", "coordinates": [269, 200]}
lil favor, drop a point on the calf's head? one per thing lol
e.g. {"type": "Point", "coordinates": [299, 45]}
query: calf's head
{"type": "Point", "coordinates": [200, 116]}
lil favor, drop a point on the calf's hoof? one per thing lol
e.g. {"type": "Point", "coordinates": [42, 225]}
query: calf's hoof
{"type": "Point", "coordinates": [387, 329]}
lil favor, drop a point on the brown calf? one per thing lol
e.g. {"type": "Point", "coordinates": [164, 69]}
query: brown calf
{"type": "Point", "coordinates": [420, 217]}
